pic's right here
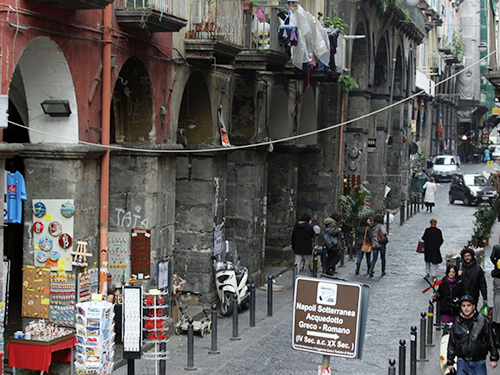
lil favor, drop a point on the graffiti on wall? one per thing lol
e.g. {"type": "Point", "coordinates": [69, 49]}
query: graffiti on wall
{"type": "Point", "coordinates": [129, 219]}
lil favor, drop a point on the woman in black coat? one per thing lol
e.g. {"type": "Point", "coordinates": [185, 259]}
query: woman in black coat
{"type": "Point", "coordinates": [433, 239]}
{"type": "Point", "coordinates": [302, 242]}
{"type": "Point", "coordinates": [450, 291]}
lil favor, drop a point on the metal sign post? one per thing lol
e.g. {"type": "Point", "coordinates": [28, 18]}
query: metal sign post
{"type": "Point", "coordinates": [329, 318]}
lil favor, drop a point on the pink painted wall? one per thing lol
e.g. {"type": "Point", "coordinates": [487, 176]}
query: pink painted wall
{"type": "Point", "coordinates": [79, 35]}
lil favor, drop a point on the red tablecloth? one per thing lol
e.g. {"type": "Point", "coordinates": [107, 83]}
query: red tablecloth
{"type": "Point", "coordinates": [38, 357]}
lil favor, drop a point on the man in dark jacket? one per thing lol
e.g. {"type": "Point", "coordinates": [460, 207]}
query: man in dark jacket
{"type": "Point", "coordinates": [333, 242]}
{"type": "Point", "coordinates": [470, 340]}
{"type": "Point", "coordinates": [433, 239]}
{"type": "Point", "coordinates": [302, 242]}
{"type": "Point", "coordinates": [473, 276]}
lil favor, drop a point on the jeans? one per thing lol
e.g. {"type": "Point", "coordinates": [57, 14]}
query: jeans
{"type": "Point", "coordinates": [471, 367]}
{"type": "Point", "coordinates": [360, 257]}
{"type": "Point", "coordinates": [376, 250]}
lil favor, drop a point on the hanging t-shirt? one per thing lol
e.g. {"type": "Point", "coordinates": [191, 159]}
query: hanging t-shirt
{"type": "Point", "coordinates": [15, 191]}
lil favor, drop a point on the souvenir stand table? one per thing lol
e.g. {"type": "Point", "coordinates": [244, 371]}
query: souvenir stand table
{"type": "Point", "coordinates": [41, 353]}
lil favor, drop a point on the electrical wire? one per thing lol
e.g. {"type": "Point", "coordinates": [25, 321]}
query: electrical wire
{"type": "Point", "coordinates": [253, 145]}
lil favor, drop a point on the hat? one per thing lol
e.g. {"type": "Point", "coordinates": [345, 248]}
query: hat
{"type": "Point", "coordinates": [467, 298]}
{"type": "Point", "coordinates": [305, 217]}
{"type": "Point", "coordinates": [328, 220]}
{"type": "Point", "coordinates": [470, 251]}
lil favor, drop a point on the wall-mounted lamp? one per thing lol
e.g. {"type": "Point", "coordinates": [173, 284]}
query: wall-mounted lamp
{"type": "Point", "coordinates": [482, 47]}
{"type": "Point", "coordinates": [56, 108]}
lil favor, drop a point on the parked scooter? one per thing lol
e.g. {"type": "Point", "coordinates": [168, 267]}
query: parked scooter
{"type": "Point", "coordinates": [443, 350]}
{"type": "Point", "coordinates": [230, 278]}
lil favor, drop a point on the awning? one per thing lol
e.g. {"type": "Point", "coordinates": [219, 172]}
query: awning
{"type": "Point", "coordinates": [480, 111]}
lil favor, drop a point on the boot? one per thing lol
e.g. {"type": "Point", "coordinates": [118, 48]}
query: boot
{"type": "Point", "coordinates": [357, 268]}
{"type": "Point", "coordinates": [383, 271]}
{"type": "Point", "coordinates": [370, 272]}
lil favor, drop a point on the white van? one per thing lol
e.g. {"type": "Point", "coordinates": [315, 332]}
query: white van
{"type": "Point", "coordinates": [444, 167]}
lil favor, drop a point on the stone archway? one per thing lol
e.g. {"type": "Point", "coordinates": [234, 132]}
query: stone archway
{"type": "Point", "coordinates": [279, 116]}
{"type": "Point", "coordinates": [42, 73]}
{"type": "Point", "coordinates": [132, 119]}
{"type": "Point", "coordinates": [195, 116]}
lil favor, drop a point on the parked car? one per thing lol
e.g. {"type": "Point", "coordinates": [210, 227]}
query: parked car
{"type": "Point", "coordinates": [495, 152]}
{"type": "Point", "coordinates": [444, 167]}
{"type": "Point", "coordinates": [471, 189]}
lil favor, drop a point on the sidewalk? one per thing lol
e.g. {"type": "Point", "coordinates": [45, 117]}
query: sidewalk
{"type": "Point", "coordinates": [396, 302]}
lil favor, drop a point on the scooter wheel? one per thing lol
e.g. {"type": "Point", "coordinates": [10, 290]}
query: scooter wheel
{"type": "Point", "coordinates": [178, 330]}
{"type": "Point", "coordinates": [226, 307]}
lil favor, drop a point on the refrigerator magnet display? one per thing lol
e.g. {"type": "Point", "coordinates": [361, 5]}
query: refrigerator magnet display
{"type": "Point", "coordinates": [54, 255]}
{"type": "Point", "coordinates": [67, 209]}
{"type": "Point", "coordinates": [55, 228]}
{"type": "Point", "coordinates": [41, 257]}
{"type": "Point", "coordinates": [65, 241]}
{"type": "Point", "coordinates": [39, 209]}
{"type": "Point", "coordinates": [38, 227]}
{"type": "Point", "coordinates": [45, 243]}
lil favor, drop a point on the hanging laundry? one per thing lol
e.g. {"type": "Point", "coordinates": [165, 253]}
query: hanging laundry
{"type": "Point", "coordinates": [333, 38]}
{"type": "Point", "coordinates": [15, 193]}
{"type": "Point", "coordinates": [224, 138]}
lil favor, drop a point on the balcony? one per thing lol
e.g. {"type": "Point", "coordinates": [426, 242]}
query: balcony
{"type": "Point", "coordinates": [153, 16]}
{"type": "Point", "coordinates": [79, 4]}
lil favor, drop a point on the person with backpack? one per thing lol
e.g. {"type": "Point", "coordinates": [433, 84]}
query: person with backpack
{"type": "Point", "coordinates": [379, 240]}
{"type": "Point", "coordinates": [495, 274]}
{"type": "Point", "coordinates": [333, 243]}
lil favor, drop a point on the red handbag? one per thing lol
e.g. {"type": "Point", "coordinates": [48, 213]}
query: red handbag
{"type": "Point", "coordinates": [420, 247]}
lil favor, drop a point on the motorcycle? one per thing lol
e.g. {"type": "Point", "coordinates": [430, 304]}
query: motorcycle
{"type": "Point", "coordinates": [230, 278]}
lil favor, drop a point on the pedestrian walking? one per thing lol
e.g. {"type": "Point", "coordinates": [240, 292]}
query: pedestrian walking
{"type": "Point", "coordinates": [433, 239]}
{"type": "Point", "coordinates": [430, 189]}
{"type": "Point", "coordinates": [333, 242]}
{"type": "Point", "coordinates": [486, 155]}
{"type": "Point", "coordinates": [470, 341]}
{"type": "Point", "coordinates": [379, 240]}
{"type": "Point", "coordinates": [495, 274]}
{"type": "Point", "coordinates": [473, 276]}
{"type": "Point", "coordinates": [302, 242]}
{"type": "Point", "coordinates": [448, 294]}
{"type": "Point", "coordinates": [364, 233]}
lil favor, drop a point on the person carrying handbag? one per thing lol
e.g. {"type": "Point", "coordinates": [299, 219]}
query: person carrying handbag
{"type": "Point", "coordinates": [364, 235]}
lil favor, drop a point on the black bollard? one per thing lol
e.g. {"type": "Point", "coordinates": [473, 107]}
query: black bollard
{"type": "Point", "coordinates": [430, 323]}
{"type": "Point", "coordinates": [190, 346]}
{"type": "Point", "coordinates": [412, 206]}
{"type": "Point", "coordinates": [402, 357]}
{"type": "Point", "coordinates": [296, 273]}
{"type": "Point", "coordinates": [387, 222]}
{"type": "Point", "coordinates": [235, 318]}
{"type": "Point", "coordinates": [252, 305]}
{"type": "Point", "coordinates": [401, 214]}
{"type": "Point", "coordinates": [315, 265]}
{"type": "Point", "coordinates": [413, 351]}
{"type": "Point", "coordinates": [438, 316]}
{"type": "Point", "coordinates": [270, 296]}
{"type": "Point", "coordinates": [163, 362]}
{"type": "Point", "coordinates": [392, 368]}
{"type": "Point", "coordinates": [213, 349]}
{"type": "Point", "coordinates": [130, 366]}
{"type": "Point", "coordinates": [422, 337]}
{"type": "Point", "coordinates": [418, 203]}
{"type": "Point", "coordinates": [407, 209]}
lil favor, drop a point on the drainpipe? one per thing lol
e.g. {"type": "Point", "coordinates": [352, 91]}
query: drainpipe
{"type": "Point", "coordinates": [341, 137]}
{"type": "Point", "coordinates": [105, 136]}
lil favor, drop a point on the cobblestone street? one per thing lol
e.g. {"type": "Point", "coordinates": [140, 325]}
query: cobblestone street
{"type": "Point", "coordinates": [396, 301]}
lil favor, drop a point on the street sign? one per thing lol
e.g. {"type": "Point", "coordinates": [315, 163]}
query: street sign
{"type": "Point", "coordinates": [328, 317]}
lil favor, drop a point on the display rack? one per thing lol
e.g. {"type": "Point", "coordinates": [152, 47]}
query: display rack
{"type": "Point", "coordinates": [62, 299]}
{"type": "Point", "coordinates": [94, 338]}
{"type": "Point", "coordinates": [155, 317]}
{"type": "Point", "coordinates": [132, 321]}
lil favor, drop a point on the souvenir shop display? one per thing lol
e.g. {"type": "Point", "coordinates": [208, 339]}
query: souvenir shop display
{"type": "Point", "coordinates": [88, 284]}
{"type": "Point", "coordinates": [62, 299]}
{"type": "Point", "coordinates": [35, 292]}
{"type": "Point", "coordinates": [94, 338]}
{"type": "Point", "coordinates": [132, 321]}
{"type": "Point", "coordinates": [53, 226]}
{"type": "Point", "coordinates": [140, 249]}
{"type": "Point", "coordinates": [80, 254]}
{"type": "Point", "coordinates": [119, 256]}
{"type": "Point", "coordinates": [15, 194]}
{"type": "Point", "coordinates": [41, 330]}
{"type": "Point", "coordinates": [155, 323]}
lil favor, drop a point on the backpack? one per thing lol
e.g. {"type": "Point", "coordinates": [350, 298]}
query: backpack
{"type": "Point", "coordinates": [381, 237]}
{"type": "Point", "coordinates": [330, 241]}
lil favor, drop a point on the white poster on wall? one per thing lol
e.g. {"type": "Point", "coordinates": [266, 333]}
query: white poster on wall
{"type": "Point", "coordinates": [53, 230]}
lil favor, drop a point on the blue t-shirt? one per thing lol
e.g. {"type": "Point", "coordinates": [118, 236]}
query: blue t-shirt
{"type": "Point", "coordinates": [15, 191]}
